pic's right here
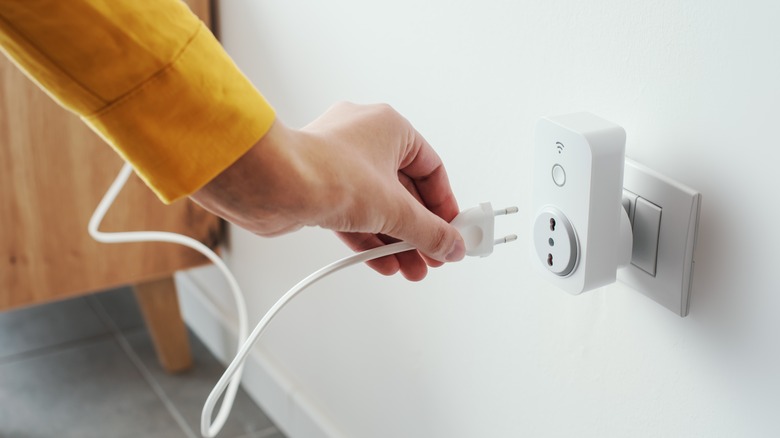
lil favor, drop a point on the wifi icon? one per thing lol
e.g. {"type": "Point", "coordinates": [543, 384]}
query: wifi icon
{"type": "Point", "coordinates": [559, 146]}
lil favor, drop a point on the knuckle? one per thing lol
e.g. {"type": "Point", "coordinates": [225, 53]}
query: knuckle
{"type": "Point", "coordinates": [386, 111]}
{"type": "Point", "coordinates": [385, 107]}
{"type": "Point", "coordinates": [341, 105]}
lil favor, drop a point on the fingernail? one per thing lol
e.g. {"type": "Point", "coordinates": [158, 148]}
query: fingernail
{"type": "Point", "coordinates": [457, 252]}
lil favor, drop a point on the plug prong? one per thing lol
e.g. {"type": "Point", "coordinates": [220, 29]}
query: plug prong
{"type": "Point", "coordinates": [503, 211]}
{"type": "Point", "coordinates": [505, 239]}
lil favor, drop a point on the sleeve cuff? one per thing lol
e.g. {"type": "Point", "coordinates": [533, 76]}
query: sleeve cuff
{"type": "Point", "coordinates": [187, 123]}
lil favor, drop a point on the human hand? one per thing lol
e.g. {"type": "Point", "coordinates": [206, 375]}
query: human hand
{"type": "Point", "coordinates": [360, 170]}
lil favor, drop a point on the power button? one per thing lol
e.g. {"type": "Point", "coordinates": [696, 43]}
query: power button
{"type": "Point", "coordinates": [558, 175]}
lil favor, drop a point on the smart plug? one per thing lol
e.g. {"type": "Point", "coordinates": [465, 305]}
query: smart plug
{"type": "Point", "coordinates": [581, 233]}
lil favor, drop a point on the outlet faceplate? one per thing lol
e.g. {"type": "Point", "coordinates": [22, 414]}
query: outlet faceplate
{"type": "Point", "coordinates": [680, 205]}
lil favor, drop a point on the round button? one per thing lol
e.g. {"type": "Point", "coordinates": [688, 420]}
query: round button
{"type": "Point", "coordinates": [558, 175]}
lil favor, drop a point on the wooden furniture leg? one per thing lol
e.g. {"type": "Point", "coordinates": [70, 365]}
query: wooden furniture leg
{"type": "Point", "coordinates": [160, 308]}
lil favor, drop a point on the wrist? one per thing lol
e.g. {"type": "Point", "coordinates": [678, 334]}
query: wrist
{"type": "Point", "coordinates": [265, 189]}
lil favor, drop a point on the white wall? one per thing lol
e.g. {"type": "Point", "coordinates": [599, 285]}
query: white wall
{"type": "Point", "coordinates": [483, 348]}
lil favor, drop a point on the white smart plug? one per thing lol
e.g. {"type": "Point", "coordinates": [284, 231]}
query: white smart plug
{"type": "Point", "coordinates": [581, 234]}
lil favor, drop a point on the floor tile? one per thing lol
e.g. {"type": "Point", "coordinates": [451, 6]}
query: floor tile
{"type": "Point", "coordinates": [33, 328]}
{"type": "Point", "coordinates": [188, 391]}
{"type": "Point", "coordinates": [122, 307]}
{"type": "Point", "coordinates": [93, 391]}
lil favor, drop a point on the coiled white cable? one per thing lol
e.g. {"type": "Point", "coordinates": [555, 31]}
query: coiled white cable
{"type": "Point", "coordinates": [231, 379]}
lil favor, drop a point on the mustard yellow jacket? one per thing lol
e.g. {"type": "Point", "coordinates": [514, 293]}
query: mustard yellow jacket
{"type": "Point", "coordinates": [147, 76]}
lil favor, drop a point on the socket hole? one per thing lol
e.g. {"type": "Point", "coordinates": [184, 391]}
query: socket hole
{"type": "Point", "coordinates": [552, 224]}
{"type": "Point", "coordinates": [551, 241]}
{"type": "Point", "coordinates": [549, 260]}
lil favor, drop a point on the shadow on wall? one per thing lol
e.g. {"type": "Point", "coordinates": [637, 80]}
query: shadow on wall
{"type": "Point", "coordinates": [735, 297]}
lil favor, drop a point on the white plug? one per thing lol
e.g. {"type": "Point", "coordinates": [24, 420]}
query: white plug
{"type": "Point", "coordinates": [477, 226]}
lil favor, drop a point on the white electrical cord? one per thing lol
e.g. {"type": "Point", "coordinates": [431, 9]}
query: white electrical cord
{"type": "Point", "coordinates": [475, 225]}
{"type": "Point", "coordinates": [235, 366]}
{"type": "Point", "coordinates": [208, 430]}
{"type": "Point", "coordinates": [232, 376]}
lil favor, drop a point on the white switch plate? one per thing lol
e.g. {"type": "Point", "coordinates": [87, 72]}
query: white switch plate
{"type": "Point", "coordinates": [671, 285]}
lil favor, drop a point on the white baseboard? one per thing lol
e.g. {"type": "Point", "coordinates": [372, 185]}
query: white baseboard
{"type": "Point", "coordinates": [264, 381]}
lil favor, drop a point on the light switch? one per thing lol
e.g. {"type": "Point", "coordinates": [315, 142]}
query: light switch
{"type": "Point", "coordinates": [665, 223]}
{"type": "Point", "coordinates": [646, 226]}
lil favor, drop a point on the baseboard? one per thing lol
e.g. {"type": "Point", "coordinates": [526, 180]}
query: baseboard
{"type": "Point", "coordinates": [264, 381]}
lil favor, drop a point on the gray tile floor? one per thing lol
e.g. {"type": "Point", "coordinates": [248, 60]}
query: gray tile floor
{"type": "Point", "coordinates": [86, 367]}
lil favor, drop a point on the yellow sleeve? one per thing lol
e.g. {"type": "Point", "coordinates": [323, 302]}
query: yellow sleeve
{"type": "Point", "coordinates": [147, 76]}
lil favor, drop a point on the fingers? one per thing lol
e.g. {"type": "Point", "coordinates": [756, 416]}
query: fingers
{"type": "Point", "coordinates": [416, 211]}
{"type": "Point", "coordinates": [431, 235]}
{"type": "Point", "coordinates": [408, 184]}
{"type": "Point", "coordinates": [413, 267]}
{"type": "Point", "coordinates": [422, 173]}
{"type": "Point", "coordinates": [410, 263]}
{"type": "Point", "coordinates": [359, 242]}
{"type": "Point", "coordinates": [424, 167]}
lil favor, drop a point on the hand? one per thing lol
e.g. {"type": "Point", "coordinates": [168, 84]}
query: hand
{"type": "Point", "coordinates": [362, 171]}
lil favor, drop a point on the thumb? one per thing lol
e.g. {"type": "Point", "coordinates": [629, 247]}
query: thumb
{"type": "Point", "coordinates": [430, 234]}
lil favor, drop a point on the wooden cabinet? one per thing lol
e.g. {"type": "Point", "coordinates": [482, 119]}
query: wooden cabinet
{"type": "Point", "coordinates": [53, 172]}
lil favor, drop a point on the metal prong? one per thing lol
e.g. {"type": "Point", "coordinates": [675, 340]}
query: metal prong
{"type": "Point", "coordinates": [505, 239]}
{"type": "Point", "coordinates": [503, 211]}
